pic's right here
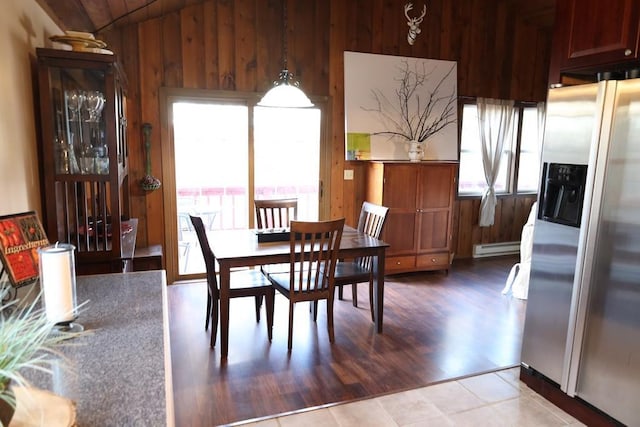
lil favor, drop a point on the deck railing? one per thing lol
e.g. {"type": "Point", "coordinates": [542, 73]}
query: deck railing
{"type": "Point", "coordinates": [228, 208]}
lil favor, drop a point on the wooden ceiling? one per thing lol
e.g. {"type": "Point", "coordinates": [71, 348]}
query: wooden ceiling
{"type": "Point", "coordinates": [96, 15]}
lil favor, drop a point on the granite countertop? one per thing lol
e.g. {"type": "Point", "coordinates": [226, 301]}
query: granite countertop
{"type": "Point", "coordinates": [120, 373]}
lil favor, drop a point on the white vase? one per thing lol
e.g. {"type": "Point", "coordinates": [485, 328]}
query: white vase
{"type": "Point", "coordinates": [416, 151]}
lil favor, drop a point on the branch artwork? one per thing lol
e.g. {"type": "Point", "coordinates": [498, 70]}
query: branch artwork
{"type": "Point", "coordinates": [419, 110]}
{"type": "Point", "coordinates": [400, 108]}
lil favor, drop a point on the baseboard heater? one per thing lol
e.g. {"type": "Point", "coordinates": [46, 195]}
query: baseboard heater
{"type": "Point", "coordinates": [496, 249]}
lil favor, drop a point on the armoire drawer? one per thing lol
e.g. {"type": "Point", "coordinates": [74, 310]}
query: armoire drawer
{"type": "Point", "coordinates": [433, 261]}
{"type": "Point", "coordinates": [399, 263]}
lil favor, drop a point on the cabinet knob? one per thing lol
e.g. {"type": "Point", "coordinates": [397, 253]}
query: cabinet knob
{"type": "Point", "coordinates": [627, 52]}
{"type": "Point", "coordinates": [397, 262]}
{"type": "Point", "coordinates": [433, 260]}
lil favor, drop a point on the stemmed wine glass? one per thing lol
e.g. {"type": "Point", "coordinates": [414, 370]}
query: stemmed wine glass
{"type": "Point", "coordinates": [94, 103]}
{"type": "Point", "coordinates": [75, 100]}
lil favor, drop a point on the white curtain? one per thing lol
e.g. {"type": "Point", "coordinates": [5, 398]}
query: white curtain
{"type": "Point", "coordinates": [495, 121]}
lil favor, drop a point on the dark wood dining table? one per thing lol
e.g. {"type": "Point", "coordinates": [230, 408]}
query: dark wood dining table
{"type": "Point", "coordinates": [240, 248]}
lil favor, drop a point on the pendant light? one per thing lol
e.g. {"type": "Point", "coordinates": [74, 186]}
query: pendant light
{"type": "Point", "coordinates": [285, 92]}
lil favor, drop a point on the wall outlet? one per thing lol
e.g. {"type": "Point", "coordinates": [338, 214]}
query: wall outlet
{"type": "Point", "coordinates": [348, 174]}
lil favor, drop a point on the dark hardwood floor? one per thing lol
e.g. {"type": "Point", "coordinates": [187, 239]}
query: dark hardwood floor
{"type": "Point", "coordinates": [436, 327]}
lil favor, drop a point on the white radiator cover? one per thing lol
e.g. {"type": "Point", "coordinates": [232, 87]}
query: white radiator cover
{"type": "Point", "coordinates": [496, 249]}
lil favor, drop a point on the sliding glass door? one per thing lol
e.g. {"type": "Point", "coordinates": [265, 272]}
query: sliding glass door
{"type": "Point", "coordinates": [229, 152]}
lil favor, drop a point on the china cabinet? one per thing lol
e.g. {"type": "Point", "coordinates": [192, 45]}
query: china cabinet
{"type": "Point", "coordinates": [420, 198]}
{"type": "Point", "coordinates": [83, 157]}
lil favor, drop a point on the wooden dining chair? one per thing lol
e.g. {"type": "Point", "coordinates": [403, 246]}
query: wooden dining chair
{"type": "Point", "coordinates": [371, 222]}
{"type": "Point", "coordinates": [275, 213]}
{"type": "Point", "coordinates": [243, 283]}
{"type": "Point", "coordinates": [314, 254]}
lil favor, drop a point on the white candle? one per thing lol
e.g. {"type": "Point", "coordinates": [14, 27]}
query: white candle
{"type": "Point", "coordinates": [57, 279]}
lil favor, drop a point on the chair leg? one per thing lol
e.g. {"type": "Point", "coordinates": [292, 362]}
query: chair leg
{"type": "Point", "coordinates": [330, 319]}
{"type": "Point", "coordinates": [371, 299]}
{"type": "Point", "coordinates": [354, 294]}
{"type": "Point", "coordinates": [340, 292]}
{"type": "Point", "coordinates": [290, 341]}
{"type": "Point", "coordinates": [270, 298]}
{"type": "Point", "coordinates": [214, 321]}
{"type": "Point", "coordinates": [258, 305]}
{"type": "Point", "coordinates": [314, 310]}
{"type": "Point", "coordinates": [206, 321]}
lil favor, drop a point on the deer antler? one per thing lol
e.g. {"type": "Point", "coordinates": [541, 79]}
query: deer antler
{"type": "Point", "coordinates": [408, 7]}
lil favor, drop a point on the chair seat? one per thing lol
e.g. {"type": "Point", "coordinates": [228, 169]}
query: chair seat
{"type": "Point", "coordinates": [282, 280]}
{"type": "Point", "coordinates": [351, 272]}
{"type": "Point", "coordinates": [274, 268]}
{"type": "Point", "coordinates": [249, 280]}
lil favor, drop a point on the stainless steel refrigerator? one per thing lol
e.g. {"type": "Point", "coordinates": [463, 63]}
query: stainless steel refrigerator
{"type": "Point", "coordinates": [582, 325]}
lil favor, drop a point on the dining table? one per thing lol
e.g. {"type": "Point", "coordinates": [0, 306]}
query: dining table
{"type": "Point", "coordinates": [240, 248]}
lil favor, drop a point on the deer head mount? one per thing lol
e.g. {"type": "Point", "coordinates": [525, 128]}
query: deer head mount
{"type": "Point", "coordinates": [413, 23]}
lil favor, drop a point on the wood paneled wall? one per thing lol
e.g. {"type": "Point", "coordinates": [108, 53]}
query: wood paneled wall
{"type": "Point", "coordinates": [511, 215]}
{"type": "Point", "coordinates": [237, 45]}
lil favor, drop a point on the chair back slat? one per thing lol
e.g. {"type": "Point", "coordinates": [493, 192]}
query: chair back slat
{"type": "Point", "coordinates": [275, 213]}
{"type": "Point", "coordinates": [314, 253]}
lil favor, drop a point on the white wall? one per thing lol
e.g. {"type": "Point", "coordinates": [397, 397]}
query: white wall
{"type": "Point", "coordinates": [23, 26]}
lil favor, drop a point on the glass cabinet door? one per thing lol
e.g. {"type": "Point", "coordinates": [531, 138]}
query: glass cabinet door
{"type": "Point", "coordinates": [79, 101]}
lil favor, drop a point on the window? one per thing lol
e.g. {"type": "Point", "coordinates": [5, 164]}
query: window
{"type": "Point", "coordinates": [520, 163]}
{"type": "Point", "coordinates": [529, 160]}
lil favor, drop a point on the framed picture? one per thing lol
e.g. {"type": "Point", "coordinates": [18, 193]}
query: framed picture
{"type": "Point", "coordinates": [20, 237]}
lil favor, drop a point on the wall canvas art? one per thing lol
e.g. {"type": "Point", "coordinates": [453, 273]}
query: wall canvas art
{"type": "Point", "coordinates": [391, 100]}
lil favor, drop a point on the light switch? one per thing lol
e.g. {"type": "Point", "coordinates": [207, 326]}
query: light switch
{"type": "Point", "coordinates": [348, 174]}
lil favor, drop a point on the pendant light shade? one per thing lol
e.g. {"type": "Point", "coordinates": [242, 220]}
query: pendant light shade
{"type": "Point", "coordinates": [285, 93]}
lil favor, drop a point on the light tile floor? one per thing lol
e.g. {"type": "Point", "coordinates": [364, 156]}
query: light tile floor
{"type": "Point", "coordinates": [494, 399]}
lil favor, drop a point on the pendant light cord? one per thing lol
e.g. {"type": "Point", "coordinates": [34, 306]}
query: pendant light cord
{"type": "Point", "coordinates": [285, 92]}
{"type": "Point", "coordinates": [131, 12]}
{"type": "Point", "coordinates": [285, 25]}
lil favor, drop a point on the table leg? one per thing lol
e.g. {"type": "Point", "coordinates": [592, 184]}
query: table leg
{"type": "Point", "coordinates": [378, 289]}
{"type": "Point", "coordinates": [225, 278]}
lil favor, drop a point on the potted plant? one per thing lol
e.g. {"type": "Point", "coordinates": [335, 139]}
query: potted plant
{"type": "Point", "coordinates": [26, 342]}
